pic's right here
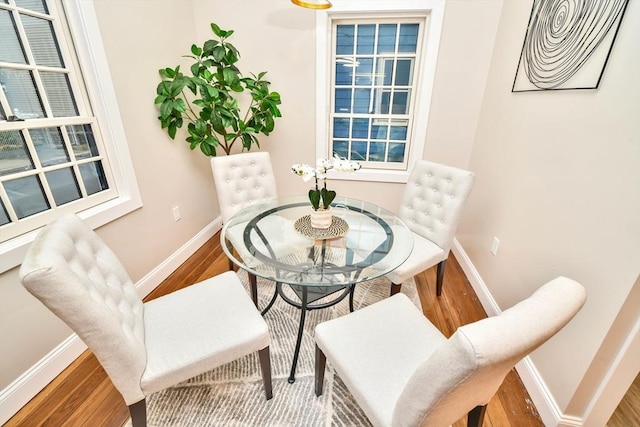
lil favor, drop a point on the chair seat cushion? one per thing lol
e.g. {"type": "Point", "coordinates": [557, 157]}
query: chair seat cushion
{"type": "Point", "coordinates": [198, 328]}
{"type": "Point", "coordinates": [425, 255]}
{"type": "Point", "coordinates": [368, 340]}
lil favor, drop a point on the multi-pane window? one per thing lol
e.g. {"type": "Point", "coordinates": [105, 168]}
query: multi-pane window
{"type": "Point", "coordinates": [374, 83]}
{"type": "Point", "coordinates": [51, 152]}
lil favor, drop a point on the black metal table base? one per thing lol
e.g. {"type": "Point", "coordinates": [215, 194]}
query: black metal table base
{"type": "Point", "coordinates": [323, 269]}
{"type": "Point", "coordinates": [306, 304]}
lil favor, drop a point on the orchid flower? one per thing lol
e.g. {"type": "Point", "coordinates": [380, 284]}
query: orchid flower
{"type": "Point", "coordinates": [321, 198]}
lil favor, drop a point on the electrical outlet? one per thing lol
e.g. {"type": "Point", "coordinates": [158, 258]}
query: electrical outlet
{"type": "Point", "coordinates": [176, 213]}
{"type": "Point", "coordinates": [494, 246]}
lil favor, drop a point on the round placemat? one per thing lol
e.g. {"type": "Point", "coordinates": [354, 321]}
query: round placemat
{"type": "Point", "coordinates": [338, 228]}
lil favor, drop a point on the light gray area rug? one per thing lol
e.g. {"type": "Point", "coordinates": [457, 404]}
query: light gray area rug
{"type": "Point", "coordinates": [233, 396]}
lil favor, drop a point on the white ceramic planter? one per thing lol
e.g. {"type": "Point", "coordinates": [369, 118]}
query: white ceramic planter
{"type": "Point", "coordinates": [321, 218]}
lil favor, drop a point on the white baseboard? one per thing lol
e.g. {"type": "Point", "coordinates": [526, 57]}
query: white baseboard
{"type": "Point", "coordinates": [30, 383]}
{"type": "Point", "coordinates": [486, 299]}
{"type": "Point", "coordinates": [538, 391]}
{"type": "Point", "coordinates": [149, 282]}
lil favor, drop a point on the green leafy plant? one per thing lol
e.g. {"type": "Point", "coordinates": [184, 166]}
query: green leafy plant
{"type": "Point", "coordinates": [210, 99]}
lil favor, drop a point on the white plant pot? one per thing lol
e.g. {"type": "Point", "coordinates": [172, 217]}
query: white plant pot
{"type": "Point", "coordinates": [321, 218]}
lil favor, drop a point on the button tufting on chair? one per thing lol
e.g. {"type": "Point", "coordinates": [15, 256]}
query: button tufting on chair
{"type": "Point", "coordinates": [143, 347]}
{"type": "Point", "coordinates": [445, 188]}
{"type": "Point", "coordinates": [241, 180]}
{"type": "Point", "coordinates": [402, 371]}
{"type": "Point", "coordinates": [238, 174]}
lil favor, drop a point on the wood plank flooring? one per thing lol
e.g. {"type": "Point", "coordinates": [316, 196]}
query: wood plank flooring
{"type": "Point", "coordinates": [83, 395]}
{"type": "Point", "coordinates": [627, 413]}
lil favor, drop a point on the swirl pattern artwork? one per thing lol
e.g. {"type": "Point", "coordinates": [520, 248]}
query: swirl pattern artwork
{"type": "Point", "coordinates": [568, 43]}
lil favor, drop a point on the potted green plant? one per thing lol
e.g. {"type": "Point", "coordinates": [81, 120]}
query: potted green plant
{"type": "Point", "coordinates": [213, 100]}
{"type": "Point", "coordinates": [321, 197]}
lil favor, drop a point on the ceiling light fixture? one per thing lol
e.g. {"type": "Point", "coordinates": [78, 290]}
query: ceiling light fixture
{"type": "Point", "coordinates": [313, 4]}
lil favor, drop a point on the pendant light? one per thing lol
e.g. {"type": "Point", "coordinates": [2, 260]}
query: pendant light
{"type": "Point", "coordinates": [313, 4]}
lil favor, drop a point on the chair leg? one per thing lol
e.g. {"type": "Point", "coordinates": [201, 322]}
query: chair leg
{"type": "Point", "coordinates": [476, 416]}
{"type": "Point", "coordinates": [321, 361]}
{"type": "Point", "coordinates": [440, 275]}
{"type": "Point", "coordinates": [138, 413]}
{"type": "Point", "coordinates": [265, 367]}
{"type": "Point", "coordinates": [253, 282]}
{"type": "Point", "coordinates": [395, 288]}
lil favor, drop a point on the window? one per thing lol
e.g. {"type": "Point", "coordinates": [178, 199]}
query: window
{"type": "Point", "coordinates": [373, 85]}
{"type": "Point", "coordinates": [377, 83]}
{"type": "Point", "coordinates": [59, 149]}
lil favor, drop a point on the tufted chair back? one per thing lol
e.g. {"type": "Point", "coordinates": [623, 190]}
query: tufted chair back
{"type": "Point", "coordinates": [241, 180]}
{"type": "Point", "coordinates": [72, 272]}
{"type": "Point", "coordinates": [467, 370]}
{"type": "Point", "coordinates": [433, 200]}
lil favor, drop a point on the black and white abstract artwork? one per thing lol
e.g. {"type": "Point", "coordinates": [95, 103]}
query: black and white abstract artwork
{"type": "Point", "coordinates": [568, 44]}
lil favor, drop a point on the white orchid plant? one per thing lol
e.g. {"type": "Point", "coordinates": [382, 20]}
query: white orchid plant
{"type": "Point", "coordinates": [321, 198]}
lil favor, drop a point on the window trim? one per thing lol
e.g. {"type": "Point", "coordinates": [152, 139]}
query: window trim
{"type": "Point", "coordinates": [85, 32]}
{"type": "Point", "coordinates": [433, 11]}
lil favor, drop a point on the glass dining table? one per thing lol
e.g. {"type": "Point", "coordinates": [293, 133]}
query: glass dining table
{"type": "Point", "coordinates": [274, 240]}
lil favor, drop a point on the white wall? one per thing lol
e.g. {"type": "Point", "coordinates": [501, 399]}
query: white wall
{"type": "Point", "coordinates": [466, 47]}
{"type": "Point", "coordinates": [279, 38]}
{"type": "Point", "coordinates": [558, 184]}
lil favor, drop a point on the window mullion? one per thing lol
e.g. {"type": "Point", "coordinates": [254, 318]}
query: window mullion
{"type": "Point", "coordinates": [11, 213]}
{"type": "Point", "coordinates": [4, 102]}
{"type": "Point", "coordinates": [79, 180]}
{"type": "Point", "coordinates": [394, 64]}
{"type": "Point", "coordinates": [22, 34]}
{"type": "Point", "coordinates": [44, 99]}
{"type": "Point", "coordinates": [46, 122]}
{"type": "Point", "coordinates": [37, 170]}
{"type": "Point", "coordinates": [35, 161]}
{"type": "Point", "coordinates": [65, 44]}
{"type": "Point", "coordinates": [74, 161]}
{"type": "Point", "coordinates": [33, 13]}
{"type": "Point", "coordinates": [67, 143]}
{"type": "Point", "coordinates": [374, 57]}
{"type": "Point", "coordinates": [44, 183]}
{"type": "Point", "coordinates": [32, 65]}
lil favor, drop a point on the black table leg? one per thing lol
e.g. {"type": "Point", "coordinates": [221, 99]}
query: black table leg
{"type": "Point", "coordinates": [296, 353]}
{"type": "Point", "coordinates": [253, 284]}
{"type": "Point", "coordinates": [352, 291]}
{"type": "Point", "coordinates": [273, 300]}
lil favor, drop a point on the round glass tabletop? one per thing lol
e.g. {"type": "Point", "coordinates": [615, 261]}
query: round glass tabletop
{"type": "Point", "coordinates": [275, 240]}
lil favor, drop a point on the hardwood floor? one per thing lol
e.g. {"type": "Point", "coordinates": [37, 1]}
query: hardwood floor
{"type": "Point", "coordinates": [628, 411]}
{"type": "Point", "coordinates": [83, 395]}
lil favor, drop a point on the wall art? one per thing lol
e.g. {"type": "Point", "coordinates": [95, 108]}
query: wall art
{"type": "Point", "coordinates": [568, 44]}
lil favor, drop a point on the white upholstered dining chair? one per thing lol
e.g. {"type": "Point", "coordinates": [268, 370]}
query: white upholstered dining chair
{"type": "Point", "coordinates": [403, 372]}
{"type": "Point", "coordinates": [143, 347]}
{"type": "Point", "coordinates": [431, 206]}
{"type": "Point", "coordinates": [242, 180]}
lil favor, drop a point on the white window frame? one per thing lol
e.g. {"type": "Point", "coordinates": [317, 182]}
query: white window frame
{"type": "Point", "coordinates": [85, 33]}
{"type": "Point", "coordinates": [433, 10]}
